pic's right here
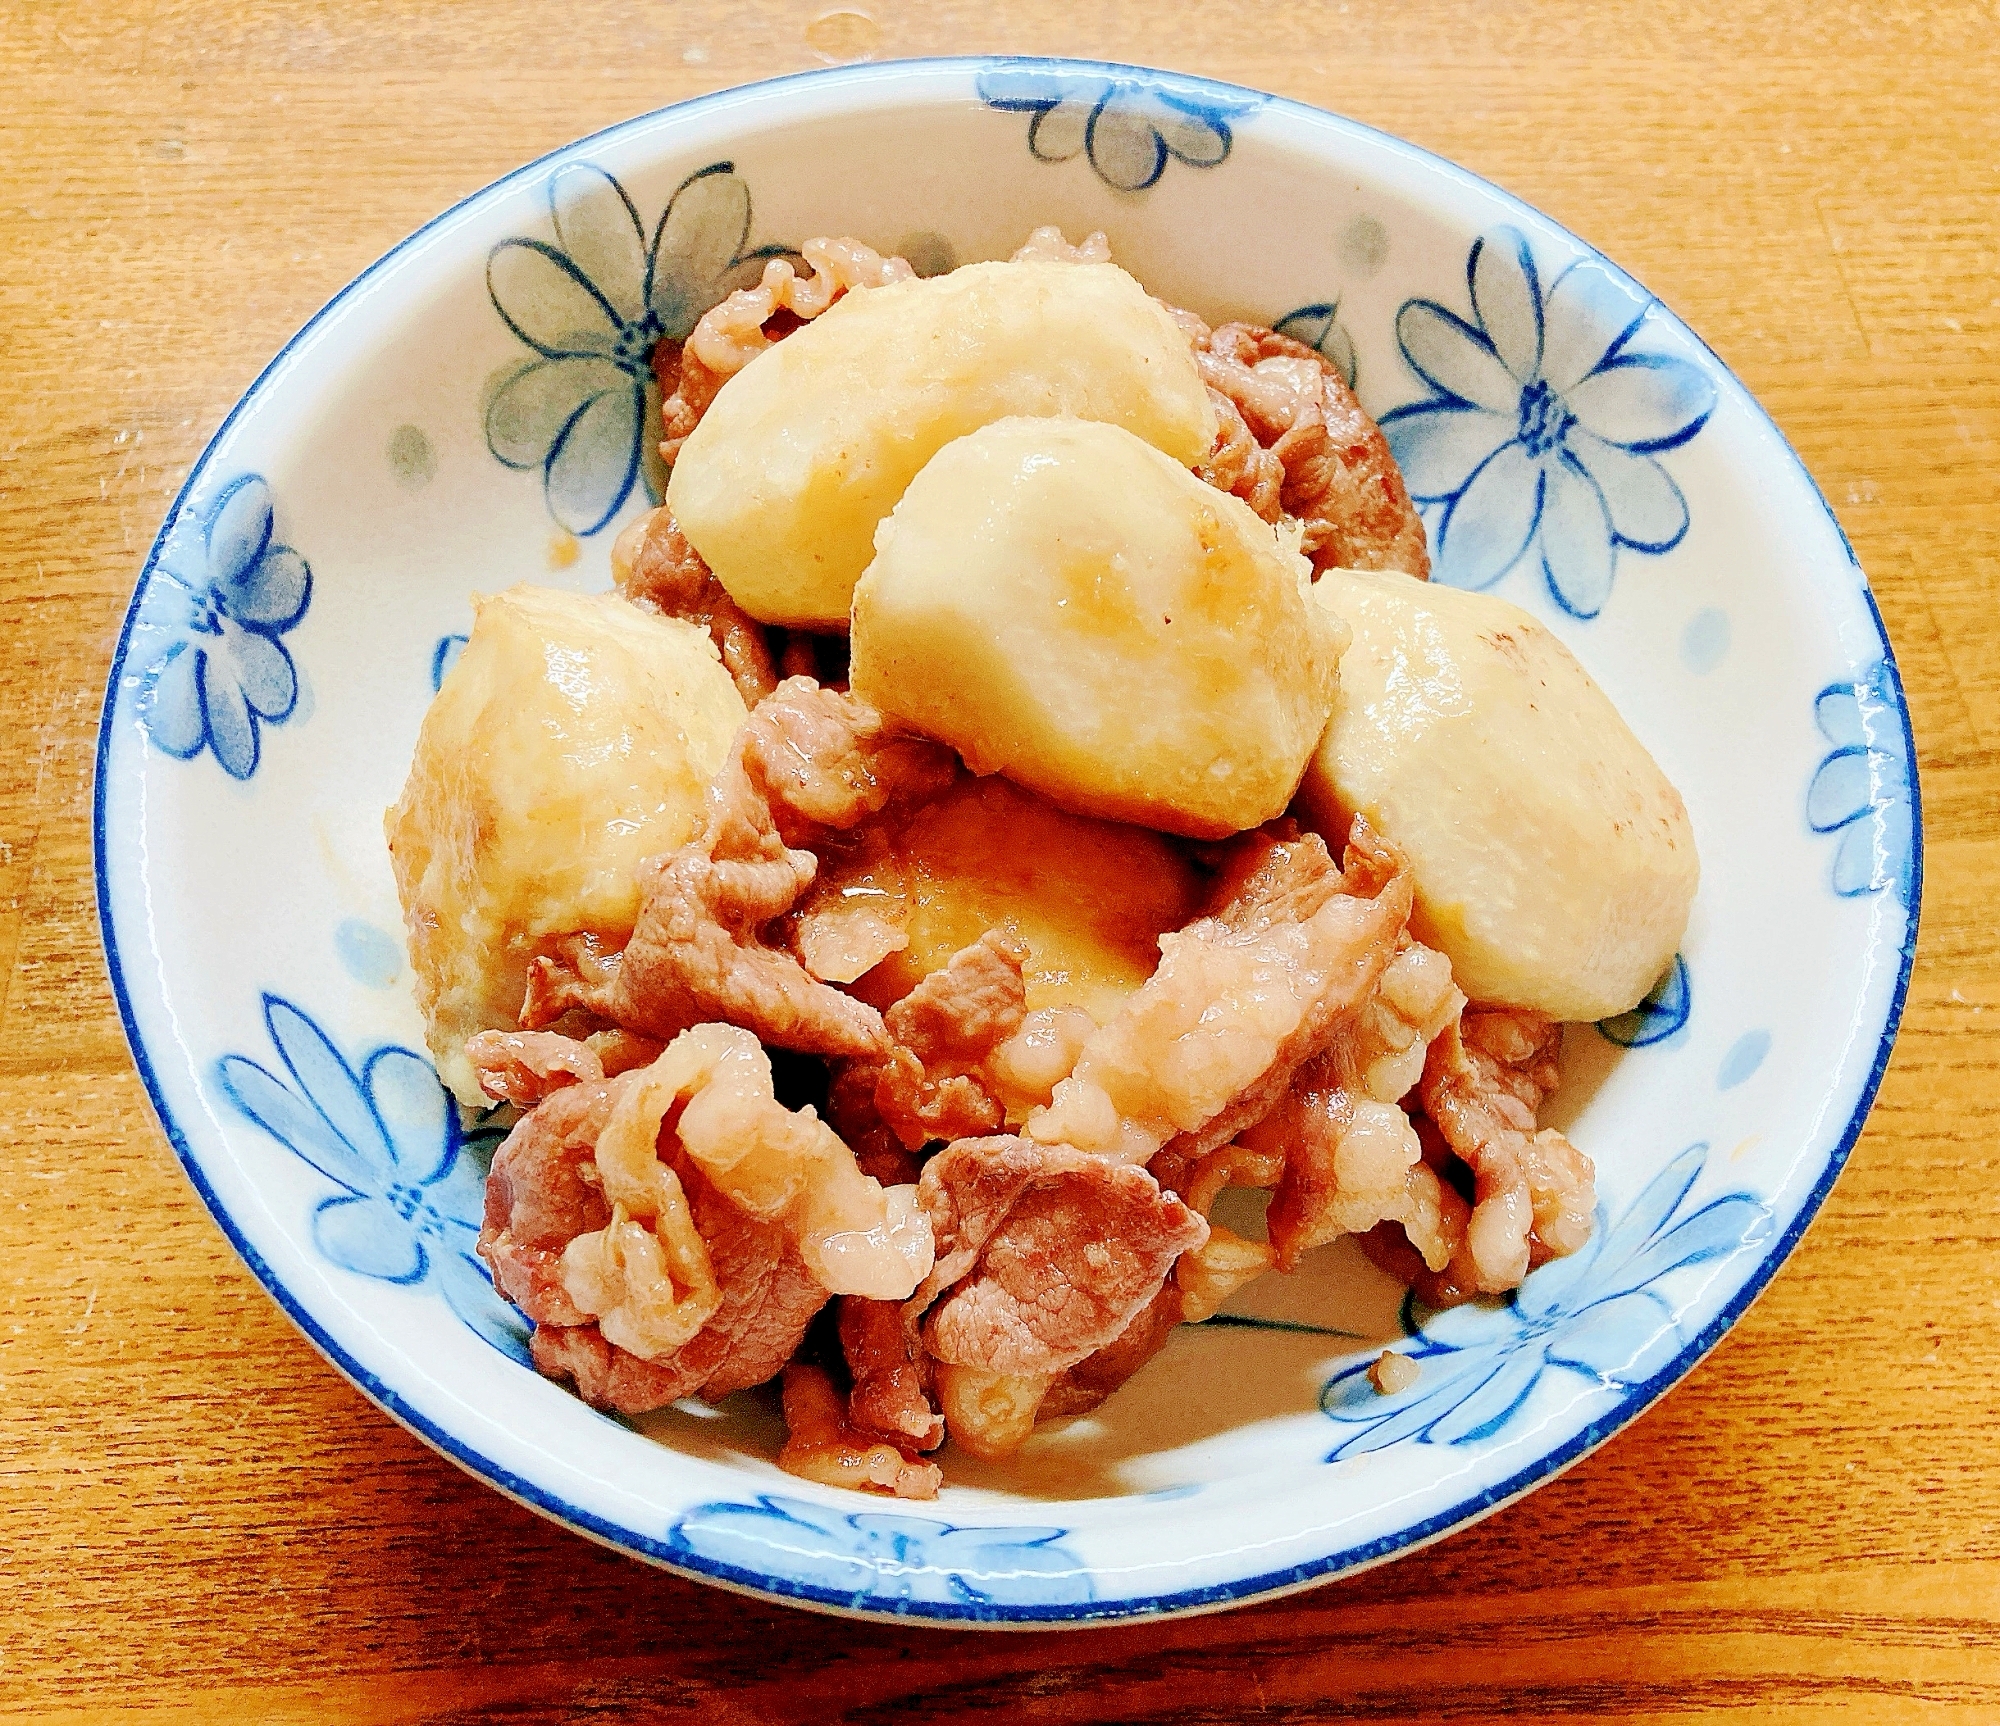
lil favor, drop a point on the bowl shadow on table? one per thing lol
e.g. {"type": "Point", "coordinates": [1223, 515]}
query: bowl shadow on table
{"type": "Point", "coordinates": [1264, 1358]}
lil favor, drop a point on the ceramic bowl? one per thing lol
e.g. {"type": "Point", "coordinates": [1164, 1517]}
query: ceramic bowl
{"type": "Point", "coordinates": [476, 409]}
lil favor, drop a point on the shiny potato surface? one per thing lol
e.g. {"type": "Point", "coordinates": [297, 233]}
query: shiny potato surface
{"type": "Point", "coordinates": [1554, 863]}
{"type": "Point", "coordinates": [1063, 604]}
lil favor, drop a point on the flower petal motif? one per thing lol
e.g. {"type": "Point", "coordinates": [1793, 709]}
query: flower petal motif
{"type": "Point", "coordinates": [1059, 131]}
{"type": "Point", "coordinates": [1561, 385]}
{"type": "Point", "coordinates": [1560, 1286]}
{"type": "Point", "coordinates": [232, 729]}
{"type": "Point", "coordinates": [700, 249]}
{"type": "Point", "coordinates": [1124, 145]}
{"type": "Point", "coordinates": [1190, 134]}
{"type": "Point", "coordinates": [238, 531]}
{"type": "Point", "coordinates": [1664, 1010]}
{"type": "Point", "coordinates": [1507, 300]}
{"type": "Point", "coordinates": [1490, 523]}
{"type": "Point", "coordinates": [1021, 1564]}
{"type": "Point", "coordinates": [1838, 715]}
{"type": "Point", "coordinates": [531, 403]}
{"type": "Point", "coordinates": [412, 1184]}
{"type": "Point", "coordinates": [322, 1074]}
{"type": "Point", "coordinates": [1473, 1326]}
{"type": "Point", "coordinates": [1440, 445]}
{"type": "Point", "coordinates": [1878, 701]}
{"type": "Point", "coordinates": [267, 1100]}
{"type": "Point", "coordinates": [271, 593]}
{"type": "Point", "coordinates": [170, 702]}
{"type": "Point", "coordinates": [1607, 1314]}
{"type": "Point", "coordinates": [1643, 401]}
{"type": "Point", "coordinates": [1863, 789]}
{"type": "Point", "coordinates": [549, 303]}
{"type": "Point", "coordinates": [416, 1118]}
{"type": "Point", "coordinates": [1648, 511]}
{"type": "Point", "coordinates": [1623, 1340]}
{"type": "Point", "coordinates": [595, 457]}
{"type": "Point", "coordinates": [872, 1555]}
{"type": "Point", "coordinates": [1319, 327]}
{"type": "Point", "coordinates": [1877, 853]}
{"type": "Point", "coordinates": [1457, 360]}
{"type": "Point", "coordinates": [468, 1291]}
{"type": "Point", "coordinates": [1445, 1376]}
{"type": "Point", "coordinates": [1842, 789]}
{"type": "Point", "coordinates": [1861, 864]}
{"type": "Point", "coordinates": [1577, 539]}
{"type": "Point", "coordinates": [1588, 316]}
{"type": "Point", "coordinates": [1486, 1408]}
{"type": "Point", "coordinates": [263, 672]}
{"type": "Point", "coordinates": [601, 233]}
{"type": "Point", "coordinates": [1716, 1231]}
{"type": "Point", "coordinates": [221, 608]}
{"type": "Point", "coordinates": [1656, 1203]}
{"type": "Point", "coordinates": [366, 1236]}
{"type": "Point", "coordinates": [1130, 125]}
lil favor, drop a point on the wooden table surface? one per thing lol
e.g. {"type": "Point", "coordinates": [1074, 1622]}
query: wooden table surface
{"type": "Point", "coordinates": [200, 1520]}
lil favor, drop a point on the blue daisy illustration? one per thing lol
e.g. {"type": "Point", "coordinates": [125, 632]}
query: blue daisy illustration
{"type": "Point", "coordinates": [223, 594]}
{"type": "Point", "coordinates": [877, 1554]}
{"type": "Point", "coordinates": [1129, 125]}
{"type": "Point", "coordinates": [1540, 440]}
{"type": "Point", "coordinates": [1603, 1315]}
{"type": "Point", "coordinates": [1863, 789]}
{"type": "Point", "coordinates": [411, 1183]}
{"type": "Point", "coordinates": [584, 410]}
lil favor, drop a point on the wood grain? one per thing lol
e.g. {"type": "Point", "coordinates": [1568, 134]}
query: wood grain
{"type": "Point", "coordinates": [200, 1521]}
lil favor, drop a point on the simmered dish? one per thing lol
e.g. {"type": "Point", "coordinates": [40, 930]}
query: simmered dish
{"type": "Point", "coordinates": [1022, 785]}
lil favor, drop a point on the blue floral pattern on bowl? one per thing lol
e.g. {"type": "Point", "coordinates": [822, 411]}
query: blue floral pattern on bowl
{"type": "Point", "coordinates": [872, 1557]}
{"type": "Point", "coordinates": [1129, 124]}
{"type": "Point", "coordinates": [1861, 788]}
{"type": "Point", "coordinates": [1320, 328]}
{"type": "Point", "coordinates": [412, 1184]}
{"type": "Point", "coordinates": [222, 597]}
{"type": "Point", "coordinates": [1665, 1010]}
{"type": "Point", "coordinates": [1603, 1314]}
{"type": "Point", "coordinates": [1540, 438]}
{"type": "Point", "coordinates": [585, 411]}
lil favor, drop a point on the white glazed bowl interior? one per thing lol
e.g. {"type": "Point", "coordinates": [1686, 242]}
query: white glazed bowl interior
{"type": "Point", "coordinates": [470, 413]}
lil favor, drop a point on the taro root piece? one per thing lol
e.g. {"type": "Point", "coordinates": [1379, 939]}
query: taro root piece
{"type": "Point", "coordinates": [1124, 639]}
{"type": "Point", "coordinates": [781, 484]}
{"type": "Point", "coordinates": [1554, 862]}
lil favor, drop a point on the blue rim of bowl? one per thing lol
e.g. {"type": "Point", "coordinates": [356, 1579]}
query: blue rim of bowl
{"type": "Point", "coordinates": [888, 1607]}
